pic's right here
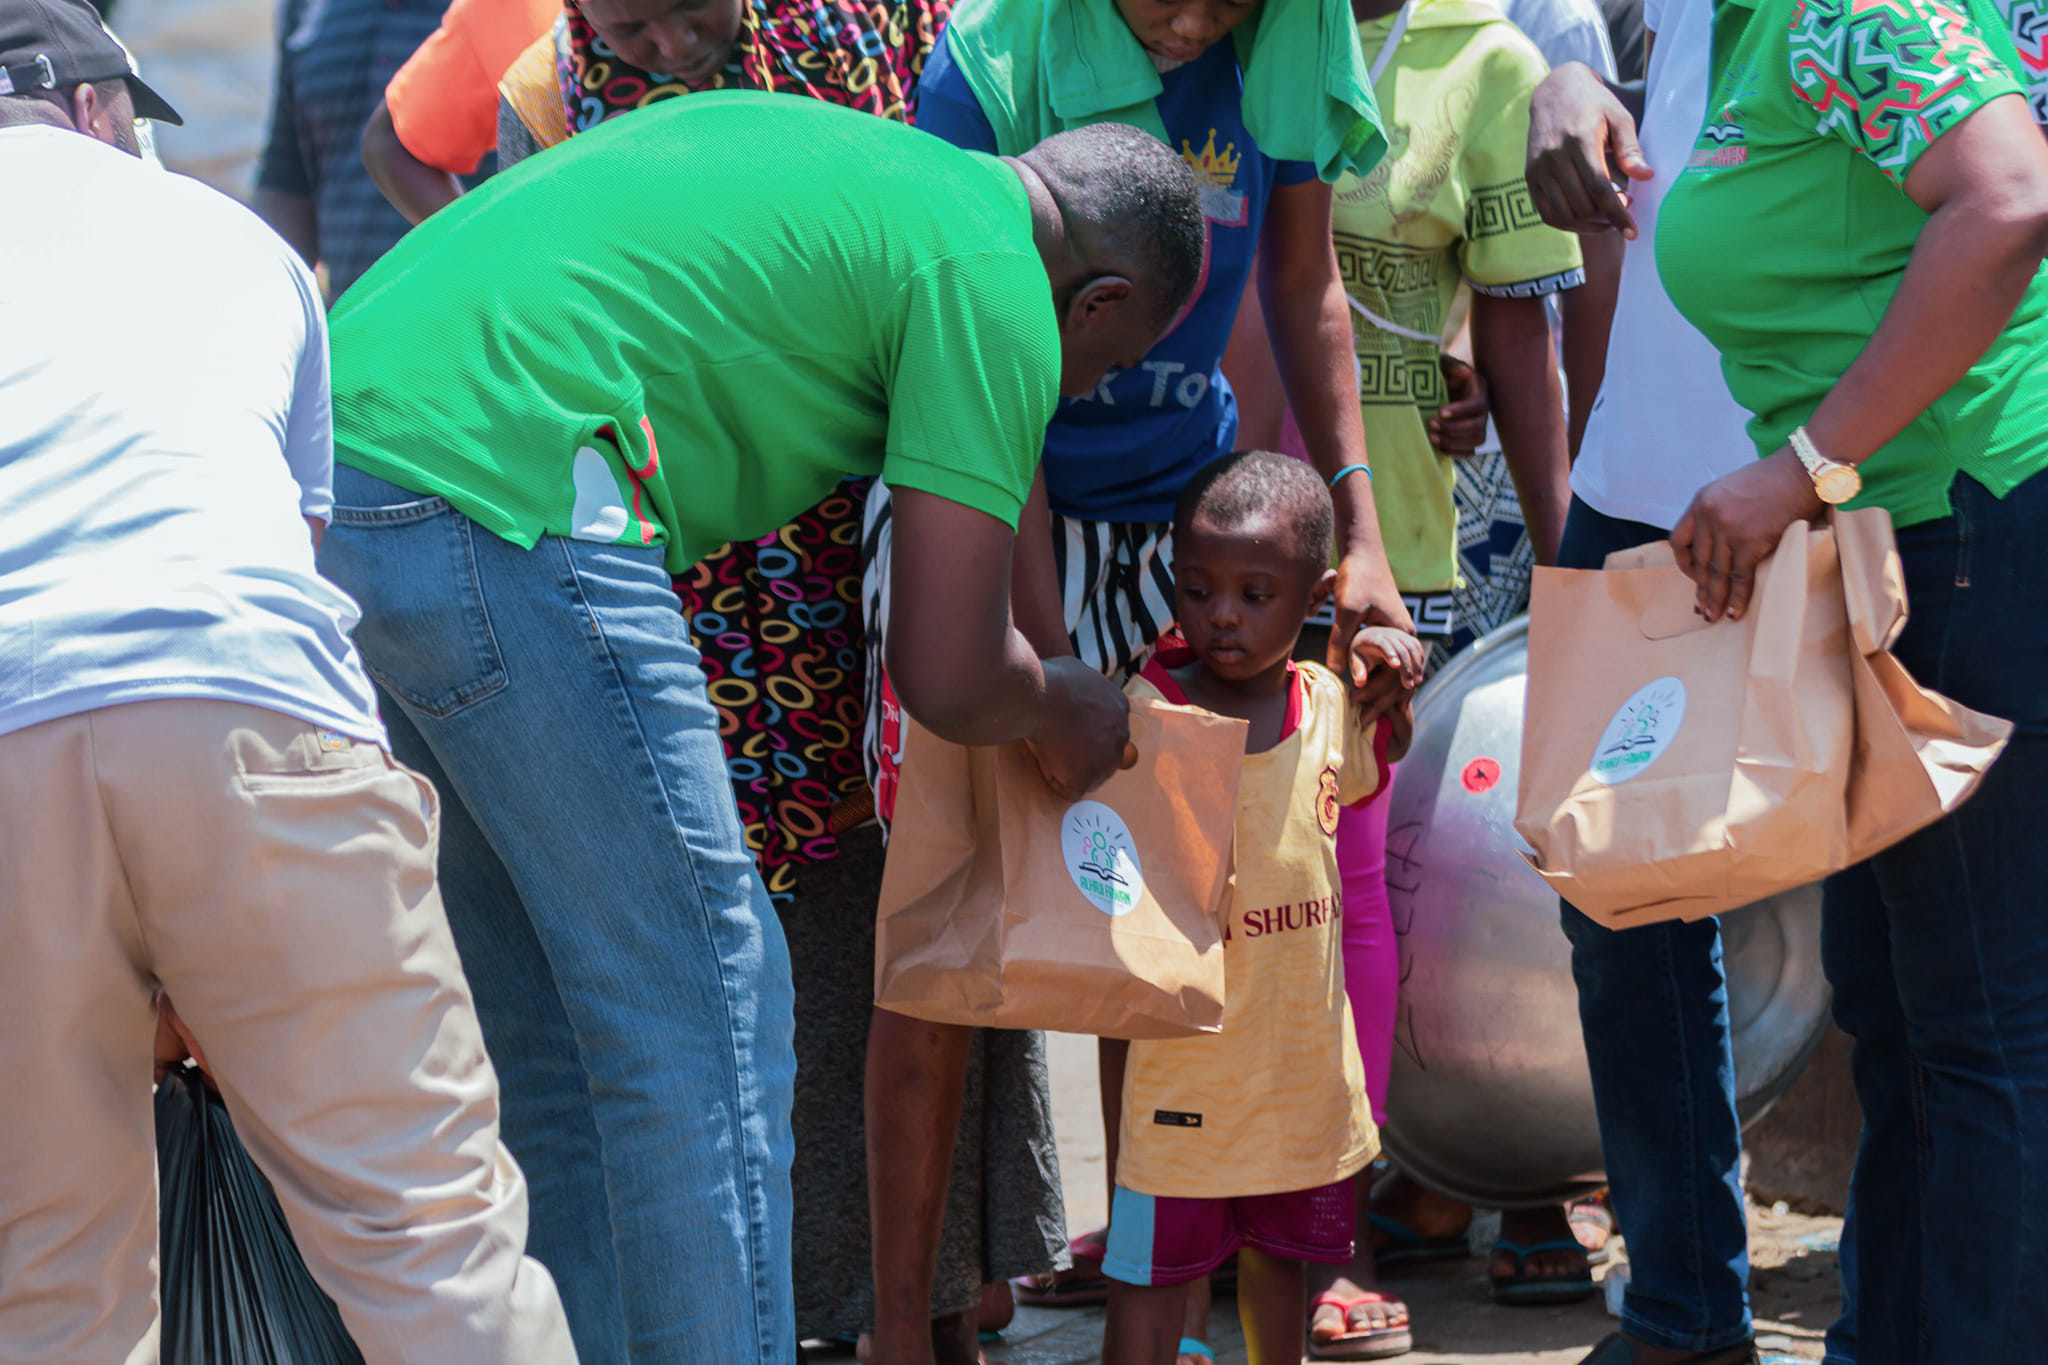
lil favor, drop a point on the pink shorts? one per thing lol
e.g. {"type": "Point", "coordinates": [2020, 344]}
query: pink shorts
{"type": "Point", "coordinates": [1159, 1240]}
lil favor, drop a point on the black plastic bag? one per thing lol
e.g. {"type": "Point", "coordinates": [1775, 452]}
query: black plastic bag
{"type": "Point", "coordinates": [235, 1290]}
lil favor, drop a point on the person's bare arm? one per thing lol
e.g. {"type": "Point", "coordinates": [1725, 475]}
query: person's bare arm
{"type": "Point", "coordinates": [291, 217]}
{"type": "Point", "coordinates": [414, 188]}
{"type": "Point", "coordinates": [1588, 317]}
{"type": "Point", "coordinates": [962, 667]}
{"type": "Point", "coordinates": [1255, 378]}
{"type": "Point", "coordinates": [1309, 321]}
{"type": "Point", "coordinates": [1511, 347]}
{"type": "Point", "coordinates": [1984, 185]}
{"type": "Point", "coordinates": [1034, 578]}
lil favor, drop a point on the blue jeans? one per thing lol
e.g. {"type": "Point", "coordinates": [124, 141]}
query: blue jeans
{"type": "Point", "coordinates": [1653, 1002]}
{"type": "Point", "coordinates": [1937, 950]}
{"type": "Point", "coordinates": [632, 980]}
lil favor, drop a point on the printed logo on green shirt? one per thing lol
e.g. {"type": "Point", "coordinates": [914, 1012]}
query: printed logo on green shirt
{"type": "Point", "coordinates": [1721, 144]}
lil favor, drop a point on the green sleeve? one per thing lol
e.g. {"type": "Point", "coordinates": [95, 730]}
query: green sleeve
{"type": "Point", "coordinates": [975, 380]}
{"type": "Point", "coordinates": [1889, 79]}
{"type": "Point", "coordinates": [1507, 248]}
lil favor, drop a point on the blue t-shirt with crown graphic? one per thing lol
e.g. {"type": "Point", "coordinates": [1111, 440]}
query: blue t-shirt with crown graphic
{"type": "Point", "coordinates": [1123, 452]}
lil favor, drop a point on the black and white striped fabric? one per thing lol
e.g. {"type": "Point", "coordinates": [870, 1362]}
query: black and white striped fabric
{"type": "Point", "coordinates": [1116, 584]}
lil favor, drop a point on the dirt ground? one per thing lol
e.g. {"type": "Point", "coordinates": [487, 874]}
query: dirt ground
{"type": "Point", "coordinates": [1456, 1323]}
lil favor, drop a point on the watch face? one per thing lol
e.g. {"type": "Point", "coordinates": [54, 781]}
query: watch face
{"type": "Point", "coordinates": [1837, 484]}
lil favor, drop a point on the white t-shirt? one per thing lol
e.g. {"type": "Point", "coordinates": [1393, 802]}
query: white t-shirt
{"type": "Point", "coordinates": [1564, 31]}
{"type": "Point", "coordinates": [1664, 425]}
{"type": "Point", "coordinates": [164, 429]}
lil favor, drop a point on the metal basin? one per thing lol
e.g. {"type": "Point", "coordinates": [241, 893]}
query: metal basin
{"type": "Point", "coordinates": [1490, 1101]}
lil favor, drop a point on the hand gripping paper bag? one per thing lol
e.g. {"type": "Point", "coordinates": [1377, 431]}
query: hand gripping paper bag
{"type": "Point", "coordinates": [1673, 769]}
{"type": "Point", "coordinates": [1005, 906]}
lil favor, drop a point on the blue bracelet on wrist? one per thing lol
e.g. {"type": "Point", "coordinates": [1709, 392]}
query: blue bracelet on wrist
{"type": "Point", "coordinates": [1347, 471]}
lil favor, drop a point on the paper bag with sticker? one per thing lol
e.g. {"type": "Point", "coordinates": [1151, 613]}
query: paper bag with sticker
{"type": "Point", "coordinates": [1673, 769]}
{"type": "Point", "coordinates": [1006, 907]}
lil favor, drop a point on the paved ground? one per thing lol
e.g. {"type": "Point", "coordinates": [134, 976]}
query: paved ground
{"type": "Point", "coordinates": [1455, 1321]}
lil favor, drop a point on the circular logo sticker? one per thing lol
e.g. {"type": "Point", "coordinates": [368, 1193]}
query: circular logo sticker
{"type": "Point", "coordinates": [1101, 858]}
{"type": "Point", "coordinates": [1327, 804]}
{"type": "Point", "coordinates": [1481, 775]}
{"type": "Point", "coordinates": [1641, 730]}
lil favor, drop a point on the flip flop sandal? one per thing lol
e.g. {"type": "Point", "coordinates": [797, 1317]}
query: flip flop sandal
{"type": "Point", "coordinates": [1375, 1344]}
{"type": "Point", "coordinates": [1081, 1286]}
{"type": "Point", "coordinates": [1618, 1350]}
{"type": "Point", "coordinates": [1522, 1291]}
{"type": "Point", "coordinates": [1406, 1247]}
{"type": "Point", "coordinates": [1189, 1346]}
{"type": "Point", "coordinates": [1593, 1215]}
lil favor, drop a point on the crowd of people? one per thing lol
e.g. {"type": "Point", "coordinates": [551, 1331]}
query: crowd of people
{"type": "Point", "coordinates": [458, 619]}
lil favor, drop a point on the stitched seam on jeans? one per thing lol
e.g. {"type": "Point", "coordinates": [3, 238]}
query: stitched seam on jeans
{"type": "Point", "coordinates": [752, 1177]}
{"type": "Point", "coordinates": [1923, 1141]}
{"type": "Point", "coordinates": [1688, 1119]}
{"type": "Point", "coordinates": [1962, 543]}
{"type": "Point", "coordinates": [487, 686]}
{"type": "Point", "coordinates": [393, 514]}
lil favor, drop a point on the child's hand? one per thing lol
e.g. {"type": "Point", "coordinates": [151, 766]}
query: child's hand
{"type": "Point", "coordinates": [1378, 647]}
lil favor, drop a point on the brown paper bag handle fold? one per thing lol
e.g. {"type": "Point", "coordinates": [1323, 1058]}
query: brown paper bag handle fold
{"type": "Point", "coordinates": [1656, 555]}
{"type": "Point", "coordinates": [1873, 579]}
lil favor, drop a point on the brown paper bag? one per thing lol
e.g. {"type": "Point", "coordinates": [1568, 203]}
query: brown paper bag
{"type": "Point", "coordinates": [1006, 907]}
{"type": "Point", "coordinates": [1675, 769]}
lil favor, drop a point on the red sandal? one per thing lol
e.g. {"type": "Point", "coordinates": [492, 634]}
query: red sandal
{"type": "Point", "coordinates": [1377, 1343]}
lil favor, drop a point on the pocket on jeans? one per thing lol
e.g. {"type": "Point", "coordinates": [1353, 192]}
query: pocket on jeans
{"type": "Point", "coordinates": [425, 635]}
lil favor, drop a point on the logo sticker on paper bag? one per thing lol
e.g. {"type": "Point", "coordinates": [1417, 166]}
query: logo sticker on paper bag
{"type": "Point", "coordinates": [1641, 730]}
{"type": "Point", "coordinates": [1101, 858]}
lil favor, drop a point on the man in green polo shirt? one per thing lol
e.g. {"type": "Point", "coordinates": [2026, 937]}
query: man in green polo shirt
{"type": "Point", "coordinates": [682, 329]}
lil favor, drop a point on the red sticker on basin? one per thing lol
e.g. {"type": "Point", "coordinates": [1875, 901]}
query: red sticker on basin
{"type": "Point", "coordinates": [1481, 775]}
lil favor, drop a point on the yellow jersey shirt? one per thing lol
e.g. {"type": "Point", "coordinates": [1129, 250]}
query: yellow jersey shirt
{"type": "Point", "coordinates": [1276, 1101]}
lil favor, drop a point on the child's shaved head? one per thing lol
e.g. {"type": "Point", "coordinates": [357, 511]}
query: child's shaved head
{"type": "Point", "coordinates": [1251, 484]}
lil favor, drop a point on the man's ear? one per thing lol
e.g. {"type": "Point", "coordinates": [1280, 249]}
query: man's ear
{"type": "Point", "coordinates": [94, 117]}
{"type": "Point", "coordinates": [1320, 593]}
{"type": "Point", "coordinates": [1096, 302]}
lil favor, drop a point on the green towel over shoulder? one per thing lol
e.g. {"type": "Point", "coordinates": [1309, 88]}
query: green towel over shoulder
{"type": "Point", "coordinates": [1040, 67]}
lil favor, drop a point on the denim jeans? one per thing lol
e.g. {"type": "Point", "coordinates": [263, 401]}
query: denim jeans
{"type": "Point", "coordinates": [632, 980]}
{"type": "Point", "coordinates": [1937, 950]}
{"type": "Point", "coordinates": [1653, 1002]}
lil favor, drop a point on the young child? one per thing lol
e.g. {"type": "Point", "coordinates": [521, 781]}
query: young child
{"type": "Point", "coordinates": [1245, 1141]}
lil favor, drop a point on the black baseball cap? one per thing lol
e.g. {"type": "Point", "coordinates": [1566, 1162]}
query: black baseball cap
{"type": "Point", "coordinates": [56, 44]}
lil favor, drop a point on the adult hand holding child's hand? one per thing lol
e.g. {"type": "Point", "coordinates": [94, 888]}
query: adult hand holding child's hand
{"type": "Point", "coordinates": [1087, 736]}
{"type": "Point", "coordinates": [1385, 668]}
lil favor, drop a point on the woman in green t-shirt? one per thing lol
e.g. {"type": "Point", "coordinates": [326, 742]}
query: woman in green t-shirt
{"type": "Point", "coordinates": [1886, 321]}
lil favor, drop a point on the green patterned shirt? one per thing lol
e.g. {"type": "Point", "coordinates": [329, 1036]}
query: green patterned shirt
{"type": "Point", "coordinates": [1788, 232]}
{"type": "Point", "coordinates": [1447, 207]}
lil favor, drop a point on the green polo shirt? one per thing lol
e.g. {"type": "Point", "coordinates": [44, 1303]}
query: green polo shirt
{"type": "Point", "coordinates": [685, 327]}
{"type": "Point", "coordinates": [1788, 232]}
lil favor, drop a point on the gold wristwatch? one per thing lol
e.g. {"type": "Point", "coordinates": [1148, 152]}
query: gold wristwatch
{"type": "Point", "coordinates": [1834, 481]}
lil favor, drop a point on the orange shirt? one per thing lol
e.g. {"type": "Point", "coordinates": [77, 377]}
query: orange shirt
{"type": "Point", "coordinates": [444, 101]}
{"type": "Point", "coordinates": [1276, 1101]}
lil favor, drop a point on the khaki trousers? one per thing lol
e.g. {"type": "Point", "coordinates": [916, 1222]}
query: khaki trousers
{"type": "Point", "coordinates": [278, 880]}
